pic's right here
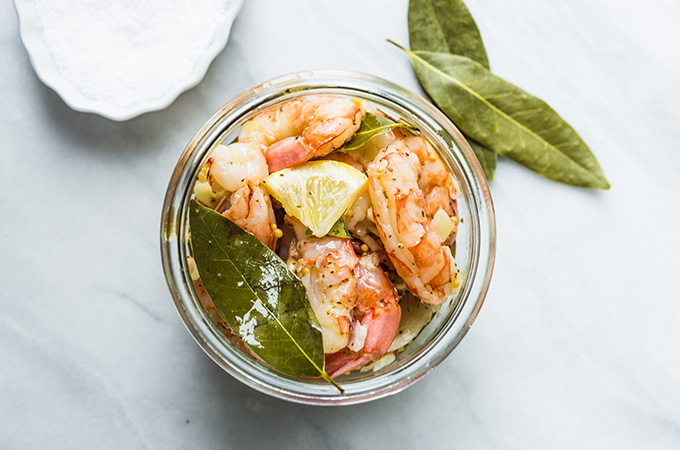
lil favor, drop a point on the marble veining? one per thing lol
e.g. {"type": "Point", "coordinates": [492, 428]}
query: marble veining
{"type": "Point", "coordinates": [575, 346]}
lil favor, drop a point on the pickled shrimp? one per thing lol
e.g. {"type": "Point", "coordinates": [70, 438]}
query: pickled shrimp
{"type": "Point", "coordinates": [434, 179]}
{"type": "Point", "coordinates": [301, 129]}
{"type": "Point", "coordinates": [377, 317]}
{"type": "Point", "coordinates": [239, 170]}
{"type": "Point", "coordinates": [356, 304]}
{"type": "Point", "coordinates": [398, 210]}
{"type": "Point", "coordinates": [398, 232]}
{"type": "Point", "coordinates": [326, 268]}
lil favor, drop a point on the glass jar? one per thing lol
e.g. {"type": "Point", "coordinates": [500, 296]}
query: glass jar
{"type": "Point", "coordinates": [474, 251]}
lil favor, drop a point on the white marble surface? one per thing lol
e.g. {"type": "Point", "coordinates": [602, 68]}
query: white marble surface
{"type": "Point", "coordinates": [575, 347]}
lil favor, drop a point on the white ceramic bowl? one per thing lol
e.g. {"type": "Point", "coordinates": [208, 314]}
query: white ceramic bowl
{"type": "Point", "coordinates": [47, 69]}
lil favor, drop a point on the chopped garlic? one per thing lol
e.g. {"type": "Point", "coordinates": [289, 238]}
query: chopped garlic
{"type": "Point", "coordinates": [204, 193]}
{"type": "Point", "coordinates": [379, 363]}
{"type": "Point", "coordinates": [370, 261]}
{"type": "Point", "coordinates": [443, 224]}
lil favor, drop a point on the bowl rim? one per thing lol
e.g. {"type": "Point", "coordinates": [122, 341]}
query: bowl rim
{"type": "Point", "coordinates": [173, 214]}
{"type": "Point", "coordinates": [46, 69]}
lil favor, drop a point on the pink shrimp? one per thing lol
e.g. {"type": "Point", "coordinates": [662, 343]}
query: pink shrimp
{"type": "Point", "coordinates": [434, 179]}
{"type": "Point", "coordinates": [326, 268]}
{"type": "Point", "coordinates": [436, 182]}
{"type": "Point", "coordinates": [405, 227]}
{"type": "Point", "coordinates": [377, 317]}
{"type": "Point", "coordinates": [305, 128]}
{"type": "Point", "coordinates": [239, 170]}
{"type": "Point", "coordinates": [354, 301]}
{"type": "Point", "coordinates": [251, 209]}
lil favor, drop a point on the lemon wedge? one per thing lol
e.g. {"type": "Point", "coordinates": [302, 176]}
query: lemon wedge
{"type": "Point", "coordinates": [317, 192]}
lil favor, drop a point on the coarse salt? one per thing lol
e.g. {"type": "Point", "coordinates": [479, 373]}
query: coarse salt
{"type": "Point", "coordinates": [126, 52]}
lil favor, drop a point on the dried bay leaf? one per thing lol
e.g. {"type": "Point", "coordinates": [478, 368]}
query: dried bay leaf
{"type": "Point", "coordinates": [257, 295]}
{"type": "Point", "coordinates": [506, 119]}
{"type": "Point", "coordinates": [445, 26]}
{"type": "Point", "coordinates": [487, 158]}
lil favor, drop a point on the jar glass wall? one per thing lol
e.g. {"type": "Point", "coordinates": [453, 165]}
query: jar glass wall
{"type": "Point", "coordinates": [474, 250]}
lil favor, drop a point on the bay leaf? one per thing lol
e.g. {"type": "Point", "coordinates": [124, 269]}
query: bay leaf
{"type": "Point", "coordinates": [257, 295]}
{"type": "Point", "coordinates": [373, 125]}
{"type": "Point", "coordinates": [506, 119]}
{"type": "Point", "coordinates": [488, 159]}
{"type": "Point", "coordinates": [339, 230]}
{"type": "Point", "coordinates": [445, 26]}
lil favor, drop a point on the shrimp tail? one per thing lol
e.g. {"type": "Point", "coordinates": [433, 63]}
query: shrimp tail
{"type": "Point", "coordinates": [382, 327]}
{"type": "Point", "coordinates": [345, 361]}
{"type": "Point", "coordinates": [287, 153]}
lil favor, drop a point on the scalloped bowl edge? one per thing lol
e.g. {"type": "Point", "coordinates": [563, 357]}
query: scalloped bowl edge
{"type": "Point", "coordinates": [43, 63]}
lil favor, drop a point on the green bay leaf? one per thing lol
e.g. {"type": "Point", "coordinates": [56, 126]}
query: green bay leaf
{"type": "Point", "coordinates": [257, 295]}
{"type": "Point", "coordinates": [445, 26]}
{"type": "Point", "coordinates": [506, 119]}
{"type": "Point", "coordinates": [339, 230]}
{"type": "Point", "coordinates": [373, 125]}
{"type": "Point", "coordinates": [488, 159]}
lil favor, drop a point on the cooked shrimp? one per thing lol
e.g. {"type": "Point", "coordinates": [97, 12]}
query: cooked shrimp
{"type": "Point", "coordinates": [413, 245]}
{"type": "Point", "coordinates": [251, 209]}
{"type": "Point", "coordinates": [357, 222]}
{"type": "Point", "coordinates": [377, 317]}
{"type": "Point", "coordinates": [354, 301]}
{"type": "Point", "coordinates": [239, 169]}
{"type": "Point", "coordinates": [435, 180]}
{"type": "Point", "coordinates": [235, 165]}
{"type": "Point", "coordinates": [305, 128]}
{"type": "Point", "coordinates": [326, 268]}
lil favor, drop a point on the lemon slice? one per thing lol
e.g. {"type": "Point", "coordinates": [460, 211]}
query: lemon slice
{"type": "Point", "coordinates": [317, 192]}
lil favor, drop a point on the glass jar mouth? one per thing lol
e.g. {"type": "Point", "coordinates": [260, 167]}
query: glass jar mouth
{"type": "Point", "coordinates": [479, 247]}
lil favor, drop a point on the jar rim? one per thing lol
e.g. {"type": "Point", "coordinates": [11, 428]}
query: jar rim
{"type": "Point", "coordinates": [472, 181]}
